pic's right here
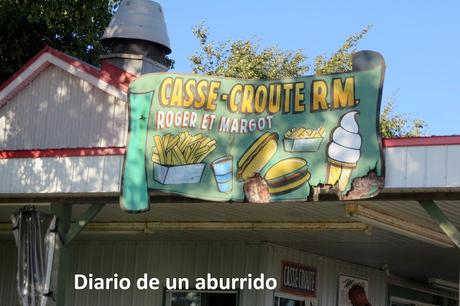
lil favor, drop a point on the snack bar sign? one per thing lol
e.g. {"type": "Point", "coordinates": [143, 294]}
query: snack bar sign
{"type": "Point", "coordinates": [298, 279]}
{"type": "Point", "coordinates": [204, 137]}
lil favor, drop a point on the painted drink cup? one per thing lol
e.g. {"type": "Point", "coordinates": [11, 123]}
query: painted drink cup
{"type": "Point", "coordinates": [223, 173]}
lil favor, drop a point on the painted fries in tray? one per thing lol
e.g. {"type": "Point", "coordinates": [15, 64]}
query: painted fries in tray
{"type": "Point", "coordinates": [182, 149]}
{"type": "Point", "coordinates": [303, 139]}
{"type": "Point", "coordinates": [303, 133]}
{"type": "Point", "coordinates": [178, 159]}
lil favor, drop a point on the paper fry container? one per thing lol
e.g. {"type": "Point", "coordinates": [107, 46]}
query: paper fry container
{"type": "Point", "coordinates": [302, 145]}
{"type": "Point", "coordinates": [182, 174]}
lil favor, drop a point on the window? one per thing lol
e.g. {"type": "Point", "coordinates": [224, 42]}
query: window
{"type": "Point", "coordinates": [281, 299]}
{"type": "Point", "coordinates": [201, 298]}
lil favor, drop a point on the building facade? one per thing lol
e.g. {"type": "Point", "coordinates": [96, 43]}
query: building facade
{"type": "Point", "coordinates": [63, 132]}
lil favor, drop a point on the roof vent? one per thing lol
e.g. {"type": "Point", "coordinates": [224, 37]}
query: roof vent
{"type": "Point", "coordinates": [137, 38]}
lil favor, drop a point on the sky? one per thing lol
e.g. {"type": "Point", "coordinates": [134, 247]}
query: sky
{"type": "Point", "coordinates": [420, 41]}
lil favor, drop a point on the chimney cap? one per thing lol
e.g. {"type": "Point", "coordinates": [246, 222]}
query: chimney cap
{"type": "Point", "coordinates": [140, 20]}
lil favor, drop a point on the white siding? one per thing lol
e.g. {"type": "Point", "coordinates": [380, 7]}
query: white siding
{"type": "Point", "coordinates": [59, 110]}
{"type": "Point", "coordinates": [453, 165]}
{"type": "Point", "coordinates": [60, 174]}
{"type": "Point", "coordinates": [422, 167]}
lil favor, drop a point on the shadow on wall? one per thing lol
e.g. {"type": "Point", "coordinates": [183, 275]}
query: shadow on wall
{"type": "Point", "coordinates": [58, 110]}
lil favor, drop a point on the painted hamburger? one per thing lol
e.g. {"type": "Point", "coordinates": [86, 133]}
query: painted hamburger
{"type": "Point", "coordinates": [287, 175]}
{"type": "Point", "coordinates": [257, 155]}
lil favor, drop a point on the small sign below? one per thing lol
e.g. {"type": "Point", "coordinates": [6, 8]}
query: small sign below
{"type": "Point", "coordinates": [298, 279]}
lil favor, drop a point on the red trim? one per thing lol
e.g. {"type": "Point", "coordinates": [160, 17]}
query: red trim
{"type": "Point", "coordinates": [24, 67]}
{"type": "Point", "coordinates": [108, 73]}
{"type": "Point", "coordinates": [63, 152]}
{"type": "Point", "coordinates": [24, 83]}
{"type": "Point", "coordinates": [115, 76]}
{"type": "Point", "coordinates": [387, 143]}
{"type": "Point", "coordinates": [422, 141]}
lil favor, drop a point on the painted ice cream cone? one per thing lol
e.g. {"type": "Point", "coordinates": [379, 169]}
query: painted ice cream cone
{"type": "Point", "coordinates": [344, 150]}
{"type": "Point", "coordinates": [344, 178]}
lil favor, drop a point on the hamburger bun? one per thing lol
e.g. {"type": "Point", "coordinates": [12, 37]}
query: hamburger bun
{"type": "Point", "coordinates": [287, 175]}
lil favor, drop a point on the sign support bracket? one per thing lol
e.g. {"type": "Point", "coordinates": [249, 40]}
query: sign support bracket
{"type": "Point", "coordinates": [79, 225]}
{"type": "Point", "coordinates": [443, 221]}
{"type": "Point", "coordinates": [68, 232]}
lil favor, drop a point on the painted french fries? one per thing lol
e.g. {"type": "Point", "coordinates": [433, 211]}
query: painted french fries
{"type": "Point", "coordinates": [303, 133]}
{"type": "Point", "coordinates": [181, 149]}
{"type": "Point", "coordinates": [303, 139]}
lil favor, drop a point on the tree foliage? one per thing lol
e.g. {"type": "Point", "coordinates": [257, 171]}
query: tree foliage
{"type": "Point", "coordinates": [74, 27]}
{"type": "Point", "coordinates": [245, 59]}
{"type": "Point", "coordinates": [340, 60]}
{"type": "Point", "coordinates": [394, 124]}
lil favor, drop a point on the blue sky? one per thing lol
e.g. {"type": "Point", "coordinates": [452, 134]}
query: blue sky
{"type": "Point", "coordinates": [420, 41]}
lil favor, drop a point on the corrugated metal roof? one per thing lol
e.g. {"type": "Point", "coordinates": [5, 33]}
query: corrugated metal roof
{"type": "Point", "coordinates": [409, 258]}
{"type": "Point", "coordinates": [412, 211]}
{"type": "Point", "coordinates": [230, 212]}
{"type": "Point", "coordinates": [301, 212]}
{"type": "Point", "coordinates": [452, 210]}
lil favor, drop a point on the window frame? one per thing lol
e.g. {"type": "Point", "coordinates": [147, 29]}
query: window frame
{"type": "Point", "coordinates": [284, 295]}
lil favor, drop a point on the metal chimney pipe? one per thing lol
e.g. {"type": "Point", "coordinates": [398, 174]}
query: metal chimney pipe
{"type": "Point", "coordinates": [137, 39]}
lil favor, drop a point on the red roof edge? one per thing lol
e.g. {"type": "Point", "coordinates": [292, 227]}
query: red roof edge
{"type": "Point", "coordinates": [108, 73]}
{"type": "Point", "coordinates": [71, 152]}
{"type": "Point", "coordinates": [24, 67]}
{"type": "Point", "coordinates": [422, 141]}
{"type": "Point", "coordinates": [115, 76]}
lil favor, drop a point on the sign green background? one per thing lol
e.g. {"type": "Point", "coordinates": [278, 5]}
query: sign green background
{"type": "Point", "coordinates": [144, 104]}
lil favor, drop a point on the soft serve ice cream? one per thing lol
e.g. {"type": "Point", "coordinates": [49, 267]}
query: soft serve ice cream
{"type": "Point", "coordinates": [344, 150]}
